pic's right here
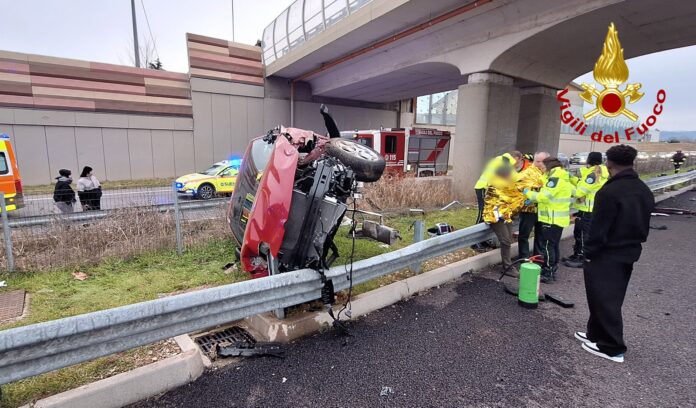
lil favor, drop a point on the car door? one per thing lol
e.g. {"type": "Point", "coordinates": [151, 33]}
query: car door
{"type": "Point", "coordinates": [226, 180]}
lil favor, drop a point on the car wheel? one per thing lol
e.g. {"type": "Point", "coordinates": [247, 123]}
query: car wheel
{"type": "Point", "coordinates": [206, 191]}
{"type": "Point", "coordinates": [366, 163]}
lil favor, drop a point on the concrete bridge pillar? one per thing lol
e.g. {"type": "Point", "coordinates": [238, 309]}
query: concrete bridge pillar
{"type": "Point", "coordinates": [487, 119]}
{"type": "Point", "coordinates": [539, 120]}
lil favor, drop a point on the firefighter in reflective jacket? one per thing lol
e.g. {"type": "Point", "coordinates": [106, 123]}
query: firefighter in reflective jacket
{"type": "Point", "coordinates": [592, 178]}
{"type": "Point", "coordinates": [678, 160]}
{"type": "Point", "coordinates": [553, 201]}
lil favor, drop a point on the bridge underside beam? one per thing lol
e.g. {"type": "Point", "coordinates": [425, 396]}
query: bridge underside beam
{"type": "Point", "coordinates": [539, 121]}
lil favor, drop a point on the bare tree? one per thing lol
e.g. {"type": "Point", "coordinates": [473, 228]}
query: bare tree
{"type": "Point", "coordinates": [148, 55]}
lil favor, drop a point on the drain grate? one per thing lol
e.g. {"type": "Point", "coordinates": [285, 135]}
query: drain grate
{"type": "Point", "coordinates": [231, 335]}
{"type": "Point", "coordinates": [11, 304]}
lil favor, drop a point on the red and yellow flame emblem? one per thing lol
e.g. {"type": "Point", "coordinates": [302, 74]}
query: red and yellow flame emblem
{"type": "Point", "coordinates": [611, 71]}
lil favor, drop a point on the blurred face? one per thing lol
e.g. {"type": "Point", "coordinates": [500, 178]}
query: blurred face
{"type": "Point", "coordinates": [539, 161]}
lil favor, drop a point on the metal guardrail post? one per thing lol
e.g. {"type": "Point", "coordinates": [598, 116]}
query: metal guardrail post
{"type": "Point", "coordinates": [177, 220]}
{"type": "Point", "coordinates": [7, 233]}
{"type": "Point", "coordinates": [417, 237]}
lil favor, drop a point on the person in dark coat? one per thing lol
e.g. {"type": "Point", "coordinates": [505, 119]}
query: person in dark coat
{"type": "Point", "coordinates": [63, 194]}
{"type": "Point", "coordinates": [620, 224]}
{"type": "Point", "coordinates": [678, 160]}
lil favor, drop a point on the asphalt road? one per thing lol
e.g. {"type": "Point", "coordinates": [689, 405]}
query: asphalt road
{"type": "Point", "coordinates": [469, 344]}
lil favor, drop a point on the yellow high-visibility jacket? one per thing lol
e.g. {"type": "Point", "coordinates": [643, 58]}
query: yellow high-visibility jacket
{"type": "Point", "coordinates": [531, 178]}
{"type": "Point", "coordinates": [502, 201]}
{"type": "Point", "coordinates": [504, 160]}
{"type": "Point", "coordinates": [554, 198]}
{"type": "Point", "coordinates": [588, 185]}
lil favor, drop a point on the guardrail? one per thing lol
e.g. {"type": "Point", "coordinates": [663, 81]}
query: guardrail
{"type": "Point", "coordinates": [660, 183]}
{"type": "Point", "coordinates": [39, 348]}
{"type": "Point", "coordinates": [36, 220]}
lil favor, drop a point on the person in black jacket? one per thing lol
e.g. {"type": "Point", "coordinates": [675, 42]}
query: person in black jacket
{"type": "Point", "coordinates": [620, 224]}
{"type": "Point", "coordinates": [63, 194]}
{"type": "Point", "coordinates": [678, 160]}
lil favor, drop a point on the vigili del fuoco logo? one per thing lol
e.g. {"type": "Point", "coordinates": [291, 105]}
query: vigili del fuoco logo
{"type": "Point", "coordinates": [611, 72]}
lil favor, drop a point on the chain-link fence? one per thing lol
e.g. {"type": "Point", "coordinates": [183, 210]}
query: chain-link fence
{"type": "Point", "coordinates": [120, 224]}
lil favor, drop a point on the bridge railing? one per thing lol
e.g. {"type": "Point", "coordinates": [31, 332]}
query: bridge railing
{"type": "Point", "coordinates": [301, 21]}
{"type": "Point", "coordinates": [39, 348]}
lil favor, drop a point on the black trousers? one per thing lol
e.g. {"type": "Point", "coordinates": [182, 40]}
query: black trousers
{"type": "Point", "coordinates": [528, 223]}
{"type": "Point", "coordinates": [547, 245]}
{"type": "Point", "coordinates": [606, 282]}
{"type": "Point", "coordinates": [581, 232]}
{"type": "Point", "coordinates": [480, 194]}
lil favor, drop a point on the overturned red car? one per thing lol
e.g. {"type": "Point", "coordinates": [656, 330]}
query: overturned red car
{"type": "Point", "coordinates": [291, 196]}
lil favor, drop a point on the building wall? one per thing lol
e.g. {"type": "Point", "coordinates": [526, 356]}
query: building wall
{"type": "Point", "coordinates": [132, 123]}
{"type": "Point", "coordinates": [117, 146]}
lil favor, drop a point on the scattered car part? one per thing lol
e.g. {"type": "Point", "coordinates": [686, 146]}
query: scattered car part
{"type": "Point", "coordinates": [379, 232]}
{"type": "Point", "coordinates": [564, 303]}
{"type": "Point", "coordinates": [675, 211]}
{"type": "Point", "coordinates": [441, 228]}
{"type": "Point", "coordinates": [455, 202]}
{"type": "Point", "coordinates": [245, 349]}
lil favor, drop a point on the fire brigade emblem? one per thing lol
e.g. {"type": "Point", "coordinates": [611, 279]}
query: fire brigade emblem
{"type": "Point", "coordinates": [611, 71]}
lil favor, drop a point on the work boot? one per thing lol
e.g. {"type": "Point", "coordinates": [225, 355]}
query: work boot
{"type": "Point", "coordinates": [574, 263]}
{"type": "Point", "coordinates": [553, 273]}
{"type": "Point", "coordinates": [546, 276]}
{"type": "Point", "coordinates": [512, 272]}
{"type": "Point", "coordinates": [570, 258]}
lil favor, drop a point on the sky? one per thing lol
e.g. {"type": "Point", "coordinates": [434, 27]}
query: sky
{"type": "Point", "coordinates": [101, 30]}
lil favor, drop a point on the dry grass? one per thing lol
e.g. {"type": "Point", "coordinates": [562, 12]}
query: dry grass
{"type": "Point", "coordinates": [124, 233]}
{"type": "Point", "coordinates": [400, 192]}
{"type": "Point", "coordinates": [654, 166]}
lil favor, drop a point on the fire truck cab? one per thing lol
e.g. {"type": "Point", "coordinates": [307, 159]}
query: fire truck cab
{"type": "Point", "coordinates": [420, 151]}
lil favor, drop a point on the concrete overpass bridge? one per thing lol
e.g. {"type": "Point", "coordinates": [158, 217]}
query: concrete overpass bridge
{"type": "Point", "coordinates": [507, 58]}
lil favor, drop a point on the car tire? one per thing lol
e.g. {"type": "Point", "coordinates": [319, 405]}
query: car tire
{"type": "Point", "coordinates": [206, 191]}
{"type": "Point", "coordinates": [366, 163]}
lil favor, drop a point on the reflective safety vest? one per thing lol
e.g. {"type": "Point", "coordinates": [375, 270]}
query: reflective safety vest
{"type": "Point", "coordinates": [588, 185]}
{"type": "Point", "coordinates": [504, 160]}
{"type": "Point", "coordinates": [554, 198]}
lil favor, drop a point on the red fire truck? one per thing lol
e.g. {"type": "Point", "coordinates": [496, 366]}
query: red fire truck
{"type": "Point", "coordinates": [423, 152]}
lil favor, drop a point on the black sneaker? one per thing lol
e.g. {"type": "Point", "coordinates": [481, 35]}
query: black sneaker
{"type": "Point", "coordinates": [593, 349]}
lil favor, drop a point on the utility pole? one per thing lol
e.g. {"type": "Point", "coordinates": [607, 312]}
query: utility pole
{"type": "Point", "coordinates": [232, 2]}
{"type": "Point", "coordinates": [136, 49]}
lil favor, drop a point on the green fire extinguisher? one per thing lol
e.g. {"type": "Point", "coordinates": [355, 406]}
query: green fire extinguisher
{"type": "Point", "coordinates": [528, 292]}
{"type": "Point", "coordinates": [529, 288]}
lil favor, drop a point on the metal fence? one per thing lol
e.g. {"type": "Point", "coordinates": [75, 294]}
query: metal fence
{"type": "Point", "coordinates": [39, 348]}
{"type": "Point", "coordinates": [129, 222]}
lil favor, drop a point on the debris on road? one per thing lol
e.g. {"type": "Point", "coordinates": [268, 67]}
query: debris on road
{"type": "Point", "coordinates": [80, 276]}
{"type": "Point", "coordinates": [659, 227]}
{"type": "Point", "coordinates": [245, 349]}
{"type": "Point", "coordinates": [675, 211]}
{"type": "Point", "coordinates": [386, 391]}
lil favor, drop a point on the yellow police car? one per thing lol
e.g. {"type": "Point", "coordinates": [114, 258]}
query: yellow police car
{"type": "Point", "coordinates": [220, 178]}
